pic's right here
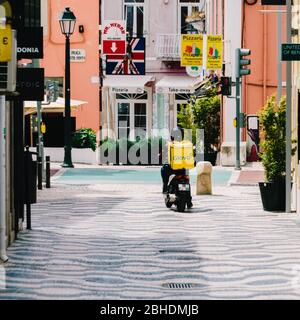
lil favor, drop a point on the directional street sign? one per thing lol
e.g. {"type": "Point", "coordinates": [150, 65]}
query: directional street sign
{"type": "Point", "coordinates": [290, 52]}
{"type": "Point", "coordinates": [114, 37]}
{"type": "Point", "coordinates": [131, 64]}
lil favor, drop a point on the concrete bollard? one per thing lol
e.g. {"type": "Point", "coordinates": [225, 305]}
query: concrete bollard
{"type": "Point", "coordinates": [204, 179]}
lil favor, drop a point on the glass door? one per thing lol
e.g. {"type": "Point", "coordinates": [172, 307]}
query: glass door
{"type": "Point", "coordinates": [132, 120]}
{"type": "Point", "coordinates": [123, 120]}
{"type": "Point", "coordinates": [140, 120]}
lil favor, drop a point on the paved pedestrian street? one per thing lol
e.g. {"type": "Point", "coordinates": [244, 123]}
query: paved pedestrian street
{"type": "Point", "coordinates": [119, 241]}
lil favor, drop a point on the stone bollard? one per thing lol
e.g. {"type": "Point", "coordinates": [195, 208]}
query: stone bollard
{"type": "Point", "coordinates": [204, 180]}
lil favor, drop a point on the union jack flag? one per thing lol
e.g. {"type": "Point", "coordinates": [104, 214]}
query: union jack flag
{"type": "Point", "coordinates": [133, 63]}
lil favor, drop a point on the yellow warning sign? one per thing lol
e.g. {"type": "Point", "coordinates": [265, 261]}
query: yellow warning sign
{"type": "Point", "coordinates": [191, 50]}
{"type": "Point", "coordinates": [214, 52]}
{"type": "Point", "coordinates": [5, 43]}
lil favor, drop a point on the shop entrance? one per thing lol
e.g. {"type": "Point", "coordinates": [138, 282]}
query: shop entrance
{"type": "Point", "coordinates": [132, 116]}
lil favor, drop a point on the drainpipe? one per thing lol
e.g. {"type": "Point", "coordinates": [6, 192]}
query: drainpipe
{"type": "Point", "coordinates": [265, 53]}
{"type": "Point", "coordinates": [3, 256]}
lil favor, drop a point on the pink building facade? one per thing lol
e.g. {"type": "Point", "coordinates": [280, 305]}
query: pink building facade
{"type": "Point", "coordinates": [85, 72]}
{"type": "Point", "coordinates": [249, 25]}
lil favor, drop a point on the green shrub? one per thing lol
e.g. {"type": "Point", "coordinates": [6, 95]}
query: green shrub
{"type": "Point", "coordinates": [122, 146]}
{"type": "Point", "coordinates": [204, 114]}
{"type": "Point", "coordinates": [85, 138]}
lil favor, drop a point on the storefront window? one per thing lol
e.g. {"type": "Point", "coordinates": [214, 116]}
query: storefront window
{"type": "Point", "coordinates": [140, 116]}
{"type": "Point", "coordinates": [123, 119]}
{"type": "Point", "coordinates": [132, 119]}
{"type": "Point", "coordinates": [181, 100]}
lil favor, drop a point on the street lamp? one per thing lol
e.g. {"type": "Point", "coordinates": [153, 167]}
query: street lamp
{"type": "Point", "coordinates": [67, 23]}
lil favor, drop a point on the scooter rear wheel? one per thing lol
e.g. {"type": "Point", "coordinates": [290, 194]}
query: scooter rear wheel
{"type": "Point", "coordinates": [181, 206]}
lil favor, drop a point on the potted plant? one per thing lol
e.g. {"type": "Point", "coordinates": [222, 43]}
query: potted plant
{"type": "Point", "coordinates": [273, 125]}
{"type": "Point", "coordinates": [85, 138]}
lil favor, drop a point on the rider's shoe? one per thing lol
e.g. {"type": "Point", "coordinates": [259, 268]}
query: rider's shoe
{"type": "Point", "coordinates": [190, 205]}
{"type": "Point", "coordinates": [165, 190]}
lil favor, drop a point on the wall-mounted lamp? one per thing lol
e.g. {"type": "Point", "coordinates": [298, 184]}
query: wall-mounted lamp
{"type": "Point", "coordinates": [81, 29]}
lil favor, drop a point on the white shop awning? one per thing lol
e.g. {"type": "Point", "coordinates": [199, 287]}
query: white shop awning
{"type": "Point", "coordinates": [127, 84]}
{"type": "Point", "coordinates": [177, 85]}
{"type": "Point", "coordinates": [57, 106]}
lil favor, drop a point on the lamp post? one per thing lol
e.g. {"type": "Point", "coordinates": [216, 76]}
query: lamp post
{"type": "Point", "coordinates": [67, 23]}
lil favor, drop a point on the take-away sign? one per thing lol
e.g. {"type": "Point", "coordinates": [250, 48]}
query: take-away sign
{"type": "Point", "coordinates": [114, 37]}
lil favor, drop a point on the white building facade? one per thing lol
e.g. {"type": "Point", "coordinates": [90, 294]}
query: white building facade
{"type": "Point", "coordinates": [150, 102]}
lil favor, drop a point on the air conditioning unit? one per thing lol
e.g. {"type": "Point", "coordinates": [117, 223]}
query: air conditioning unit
{"type": "Point", "coordinates": [8, 70]}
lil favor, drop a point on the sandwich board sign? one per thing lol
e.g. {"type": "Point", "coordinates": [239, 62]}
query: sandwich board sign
{"type": "Point", "coordinates": [114, 37]}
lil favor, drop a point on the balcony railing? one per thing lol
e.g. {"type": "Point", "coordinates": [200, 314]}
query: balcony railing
{"type": "Point", "coordinates": [168, 46]}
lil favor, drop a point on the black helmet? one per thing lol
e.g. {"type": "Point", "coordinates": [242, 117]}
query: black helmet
{"type": "Point", "coordinates": [177, 134]}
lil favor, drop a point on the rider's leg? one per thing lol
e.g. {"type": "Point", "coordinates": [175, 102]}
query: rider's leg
{"type": "Point", "coordinates": [165, 174]}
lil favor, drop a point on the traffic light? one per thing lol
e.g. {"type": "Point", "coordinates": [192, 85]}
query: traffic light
{"type": "Point", "coordinates": [52, 90]}
{"type": "Point", "coordinates": [226, 86]}
{"type": "Point", "coordinates": [241, 62]}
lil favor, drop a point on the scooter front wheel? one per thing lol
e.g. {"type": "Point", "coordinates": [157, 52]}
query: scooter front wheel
{"type": "Point", "coordinates": [168, 203]}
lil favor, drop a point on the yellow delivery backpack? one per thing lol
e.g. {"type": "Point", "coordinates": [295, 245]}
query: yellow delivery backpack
{"type": "Point", "coordinates": [181, 155]}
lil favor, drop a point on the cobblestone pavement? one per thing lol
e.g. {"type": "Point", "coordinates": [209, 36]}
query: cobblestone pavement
{"type": "Point", "coordinates": [120, 242]}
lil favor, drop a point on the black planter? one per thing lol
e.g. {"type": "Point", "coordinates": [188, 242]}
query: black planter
{"type": "Point", "coordinates": [273, 195]}
{"type": "Point", "coordinates": [211, 157]}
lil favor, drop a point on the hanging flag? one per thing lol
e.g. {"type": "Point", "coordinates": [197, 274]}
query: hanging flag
{"type": "Point", "coordinates": [214, 52]}
{"type": "Point", "coordinates": [133, 63]}
{"type": "Point", "coordinates": [192, 50]}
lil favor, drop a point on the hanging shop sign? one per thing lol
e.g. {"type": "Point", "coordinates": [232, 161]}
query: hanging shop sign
{"type": "Point", "coordinates": [131, 64]}
{"type": "Point", "coordinates": [191, 50]}
{"type": "Point", "coordinates": [274, 2]}
{"type": "Point", "coordinates": [30, 43]}
{"type": "Point", "coordinates": [5, 43]}
{"type": "Point", "coordinates": [30, 84]}
{"type": "Point", "coordinates": [214, 52]}
{"type": "Point", "coordinates": [194, 71]}
{"type": "Point", "coordinates": [114, 37]}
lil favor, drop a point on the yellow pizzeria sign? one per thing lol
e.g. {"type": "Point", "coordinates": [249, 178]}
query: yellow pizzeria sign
{"type": "Point", "coordinates": [191, 50]}
{"type": "Point", "coordinates": [214, 52]}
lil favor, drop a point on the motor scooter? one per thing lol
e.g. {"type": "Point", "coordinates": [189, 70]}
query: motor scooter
{"type": "Point", "coordinates": [179, 191]}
